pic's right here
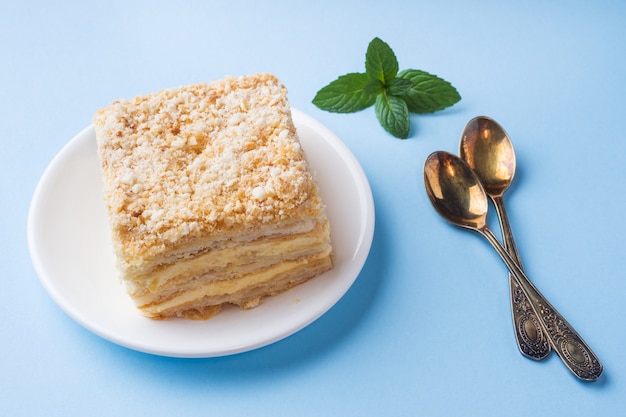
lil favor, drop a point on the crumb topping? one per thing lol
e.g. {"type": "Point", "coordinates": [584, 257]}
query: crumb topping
{"type": "Point", "coordinates": [187, 162]}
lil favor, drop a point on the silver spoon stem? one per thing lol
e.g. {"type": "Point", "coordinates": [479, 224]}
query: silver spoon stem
{"type": "Point", "coordinates": [570, 347]}
{"type": "Point", "coordinates": [531, 337]}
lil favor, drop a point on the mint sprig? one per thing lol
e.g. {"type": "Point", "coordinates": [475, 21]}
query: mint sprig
{"type": "Point", "coordinates": [393, 93]}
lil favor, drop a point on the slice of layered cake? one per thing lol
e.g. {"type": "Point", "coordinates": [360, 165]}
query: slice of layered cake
{"type": "Point", "coordinates": [210, 198]}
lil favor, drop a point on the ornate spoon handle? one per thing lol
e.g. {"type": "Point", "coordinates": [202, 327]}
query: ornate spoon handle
{"type": "Point", "coordinates": [570, 347]}
{"type": "Point", "coordinates": [531, 338]}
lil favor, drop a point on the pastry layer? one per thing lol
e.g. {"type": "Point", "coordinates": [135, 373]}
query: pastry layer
{"type": "Point", "coordinates": [237, 258]}
{"type": "Point", "coordinates": [249, 290]}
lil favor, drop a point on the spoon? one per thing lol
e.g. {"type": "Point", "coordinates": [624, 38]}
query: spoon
{"type": "Point", "coordinates": [458, 196]}
{"type": "Point", "coordinates": [487, 149]}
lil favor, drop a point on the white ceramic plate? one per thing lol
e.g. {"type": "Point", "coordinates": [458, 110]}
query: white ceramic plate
{"type": "Point", "coordinates": [71, 250]}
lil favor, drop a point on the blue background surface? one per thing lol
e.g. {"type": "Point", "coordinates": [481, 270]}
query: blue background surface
{"type": "Point", "coordinates": [426, 328]}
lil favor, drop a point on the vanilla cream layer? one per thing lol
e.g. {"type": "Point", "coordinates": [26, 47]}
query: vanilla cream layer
{"type": "Point", "coordinates": [230, 291]}
{"type": "Point", "coordinates": [208, 277]}
{"type": "Point", "coordinates": [231, 261]}
{"type": "Point", "coordinates": [135, 268]}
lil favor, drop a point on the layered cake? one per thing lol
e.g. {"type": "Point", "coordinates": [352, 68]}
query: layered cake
{"type": "Point", "coordinates": [210, 198]}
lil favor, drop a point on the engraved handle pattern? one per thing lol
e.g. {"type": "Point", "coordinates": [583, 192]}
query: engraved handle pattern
{"type": "Point", "coordinates": [569, 345]}
{"type": "Point", "coordinates": [571, 348]}
{"type": "Point", "coordinates": [531, 339]}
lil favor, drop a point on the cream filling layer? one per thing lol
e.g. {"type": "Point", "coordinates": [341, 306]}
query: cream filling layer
{"type": "Point", "coordinates": [229, 262]}
{"type": "Point", "coordinates": [136, 266]}
{"type": "Point", "coordinates": [233, 286]}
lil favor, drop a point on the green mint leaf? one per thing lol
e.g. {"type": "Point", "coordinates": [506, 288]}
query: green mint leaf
{"type": "Point", "coordinates": [398, 86]}
{"type": "Point", "coordinates": [393, 115]}
{"type": "Point", "coordinates": [345, 95]}
{"type": "Point", "coordinates": [380, 61]}
{"type": "Point", "coordinates": [395, 94]}
{"type": "Point", "coordinates": [428, 92]}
